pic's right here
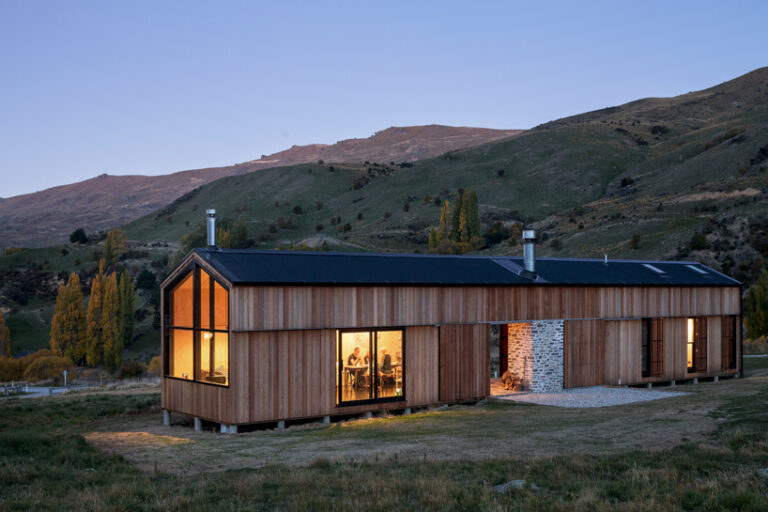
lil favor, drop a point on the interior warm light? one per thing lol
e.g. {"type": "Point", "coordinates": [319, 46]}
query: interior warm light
{"type": "Point", "coordinates": [689, 344]}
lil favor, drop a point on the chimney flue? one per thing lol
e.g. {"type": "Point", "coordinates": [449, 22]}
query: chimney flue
{"type": "Point", "coordinates": [529, 256]}
{"type": "Point", "coordinates": [211, 227]}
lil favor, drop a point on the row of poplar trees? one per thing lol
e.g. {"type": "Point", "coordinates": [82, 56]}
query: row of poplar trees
{"type": "Point", "coordinates": [99, 334]}
{"type": "Point", "coordinates": [459, 231]}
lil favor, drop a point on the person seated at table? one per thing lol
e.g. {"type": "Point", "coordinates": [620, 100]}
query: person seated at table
{"type": "Point", "coordinates": [354, 358]}
{"type": "Point", "coordinates": [385, 371]}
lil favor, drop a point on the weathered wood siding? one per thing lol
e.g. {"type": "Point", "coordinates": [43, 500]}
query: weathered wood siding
{"type": "Point", "coordinates": [290, 374]}
{"type": "Point", "coordinates": [584, 356]}
{"type": "Point", "coordinates": [266, 308]}
{"type": "Point", "coordinates": [464, 362]}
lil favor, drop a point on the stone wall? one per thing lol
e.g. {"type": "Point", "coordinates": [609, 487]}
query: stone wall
{"type": "Point", "coordinates": [547, 356]}
{"type": "Point", "coordinates": [520, 346]}
{"type": "Point", "coordinates": [536, 354]}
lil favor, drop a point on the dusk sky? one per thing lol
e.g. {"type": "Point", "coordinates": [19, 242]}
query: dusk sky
{"type": "Point", "coordinates": [148, 87]}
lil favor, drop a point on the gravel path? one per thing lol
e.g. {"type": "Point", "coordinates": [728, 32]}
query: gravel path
{"type": "Point", "coordinates": [596, 396]}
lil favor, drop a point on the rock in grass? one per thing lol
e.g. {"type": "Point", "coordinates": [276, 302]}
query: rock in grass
{"type": "Point", "coordinates": [763, 472]}
{"type": "Point", "coordinates": [513, 484]}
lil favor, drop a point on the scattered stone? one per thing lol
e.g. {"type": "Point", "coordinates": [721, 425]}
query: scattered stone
{"type": "Point", "coordinates": [514, 484]}
{"type": "Point", "coordinates": [763, 472]}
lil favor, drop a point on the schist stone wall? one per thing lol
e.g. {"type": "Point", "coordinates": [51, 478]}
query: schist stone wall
{"type": "Point", "coordinates": [536, 354]}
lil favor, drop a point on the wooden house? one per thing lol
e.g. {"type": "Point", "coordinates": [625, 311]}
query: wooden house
{"type": "Point", "coordinates": [269, 336]}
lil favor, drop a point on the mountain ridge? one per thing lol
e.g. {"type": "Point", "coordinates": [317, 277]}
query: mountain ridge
{"type": "Point", "coordinates": [48, 216]}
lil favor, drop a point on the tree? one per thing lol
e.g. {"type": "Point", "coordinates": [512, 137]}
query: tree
{"type": "Point", "coordinates": [127, 306]}
{"type": "Point", "coordinates": [110, 323]}
{"type": "Point", "coordinates": [463, 228]}
{"type": "Point", "coordinates": [473, 217]}
{"type": "Point", "coordinates": [78, 236]}
{"type": "Point", "coordinates": [95, 347]}
{"type": "Point", "coordinates": [68, 327]}
{"type": "Point", "coordinates": [443, 230]}
{"type": "Point", "coordinates": [223, 238]}
{"type": "Point", "coordinates": [239, 235]}
{"type": "Point", "coordinates": [756, 308]}
{"type": "Point", "coordinates": [432, 238]}
{"type": "Point", "coordinates": [146, 280]}
{"type": "Point", "coordinates": [457, 209]}
{"type": "Point", "coordinates": [114, 246]}
{"type": "Point", "coordinates": [5, 338]}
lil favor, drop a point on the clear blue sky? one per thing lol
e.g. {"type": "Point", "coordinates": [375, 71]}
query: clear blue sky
{"type": "Point", "coordinates": [151, 87]}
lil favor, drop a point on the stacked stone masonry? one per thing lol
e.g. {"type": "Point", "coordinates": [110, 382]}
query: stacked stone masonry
{"type": "Point", "coordinates": [536, 354]}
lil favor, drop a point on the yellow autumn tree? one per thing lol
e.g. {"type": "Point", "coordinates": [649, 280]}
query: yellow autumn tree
{"type": "Point", "coordinates": [68, 327]}
{"type": "Point", "coordinates": [5, 338]}
{"type": "Point", "coordinates": [110, 323]}
{"type": "Point", "coordinates": [95, 346]}
{"type": "Point", "coordinates": [114, 246]}
{"type": "Point", "coordinates": [127, 306]}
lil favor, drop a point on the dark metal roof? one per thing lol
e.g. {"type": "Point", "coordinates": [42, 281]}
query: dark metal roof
{"type": "Point", "coordinates": [296, 267]}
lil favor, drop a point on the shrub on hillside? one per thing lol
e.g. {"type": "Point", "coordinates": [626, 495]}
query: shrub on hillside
{"type": "Point", "coordinates": [10, 369]}
{"type": "Point", "coordinates": [132, 369]}
{"type": "Point", "coordinates": [47, 367]}
{"type": "Point", "coordinates": [155, 366]}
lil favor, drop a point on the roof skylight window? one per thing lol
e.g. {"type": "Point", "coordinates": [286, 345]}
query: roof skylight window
{"type": "Point", "coordinates": [656, 270]}
{"type": "Point", "coordinates": [698, 270]}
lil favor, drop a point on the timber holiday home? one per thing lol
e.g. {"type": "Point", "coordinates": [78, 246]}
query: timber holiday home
{"type": "Point", "coordinates": [273, 336]}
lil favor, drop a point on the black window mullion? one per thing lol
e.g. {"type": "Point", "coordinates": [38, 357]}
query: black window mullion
{"type": "Point", "coordinates": [196, 322]}
{"type": "Point", "coordinates": [373, 341]}
{"type": "Point", "coordinates": [211, 316]}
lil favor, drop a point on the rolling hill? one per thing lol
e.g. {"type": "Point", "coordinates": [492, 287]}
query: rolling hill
{"type": "Point", "coordinates": [49, 216]}
{"type": "Point", "coordinates": [658, 178]}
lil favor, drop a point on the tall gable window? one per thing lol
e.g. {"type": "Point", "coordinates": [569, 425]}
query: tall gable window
{"type": "Point", "coordinates": [197, 329]}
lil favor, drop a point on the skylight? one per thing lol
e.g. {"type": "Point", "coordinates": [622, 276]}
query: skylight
{"type": "Point", "coordinates": [698, 270]}
{"type": "Point", "coordinates": [657, 270]}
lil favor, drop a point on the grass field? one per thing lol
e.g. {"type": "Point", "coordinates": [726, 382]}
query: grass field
{"type": "Point", "coordinates": [109, 451]}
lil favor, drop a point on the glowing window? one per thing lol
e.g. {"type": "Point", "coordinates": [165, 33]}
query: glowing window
{"type": "Point", "coordinates": [197, 335]}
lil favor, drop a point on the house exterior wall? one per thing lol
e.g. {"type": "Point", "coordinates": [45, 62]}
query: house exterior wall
{"type": "Point", "coordinates": [282, 342]}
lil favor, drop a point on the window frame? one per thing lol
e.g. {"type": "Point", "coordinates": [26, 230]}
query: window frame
{"type": "Point", "coordinates": [196, 329]}
{"type": "Point", "coordinates": [699, 344]}
{"type": "Point", "coordinates": [372, 331]}
{"type": "Point", "coordinates": [646, 348]}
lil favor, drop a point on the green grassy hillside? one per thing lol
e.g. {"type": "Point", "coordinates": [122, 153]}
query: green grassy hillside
{"type": "Point", "coordinates": [667, 178]}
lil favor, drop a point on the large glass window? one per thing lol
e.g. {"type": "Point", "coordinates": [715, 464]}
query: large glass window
{"type": "Point", "coordinates": [198, 329]}
{"type": "Point", "coordinates": [696, 345]}
{"type": "Point", "coordinates": [369, 365]}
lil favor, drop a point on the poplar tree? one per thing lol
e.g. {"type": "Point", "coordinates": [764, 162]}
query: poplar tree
{"type": "Point", "coordinates": [68, 327]}
{"type": "Point", "coordinates": [473, 217]}
{"type": "Point", "coordinates": [114, 246]}
{"type": "Point", "coordinates": [5, 338]}
{"type": "Point", "coordinates": [95, 348]}
{"type": "Point", "coordinates": [463, 228]}
{"type": "Point", "coordinates": [126, 293]}
{"type": "Point", "coordinates": [442, 228]}
{"type": "Point", "coordinates": [110, 319]}
{"type": "Point", "coordinates": [432, 238]}
{"type": "Point", "coordinates": [457, 209]}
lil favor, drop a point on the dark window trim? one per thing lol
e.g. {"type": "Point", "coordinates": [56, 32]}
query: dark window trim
{"type": "Point", "coordinates": [374, 360]}
{"type": "Point", "coordinates": [646, 346]}
{"type": "Point", "coordinates": [195, 268]}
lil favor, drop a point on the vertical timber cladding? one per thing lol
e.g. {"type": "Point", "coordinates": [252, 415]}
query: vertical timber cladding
{"type": "Point", "coordinates": [584, 355]}
{"type": "Point", "coordinates": [464, 362]}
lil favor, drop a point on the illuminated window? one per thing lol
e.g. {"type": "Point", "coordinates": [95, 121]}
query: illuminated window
{"type": "Point", "coordinates": [197, 333]}
{"type": "Point", "coordinates": [696, 345]}
{"type": "Point", "coordinates": [370, 365]}
{"type": "Point", "coordinates": [689, 345]}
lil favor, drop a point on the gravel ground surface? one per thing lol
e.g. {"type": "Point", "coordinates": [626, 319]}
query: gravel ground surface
{"type": "Point", "coordinates": [596, 396]}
